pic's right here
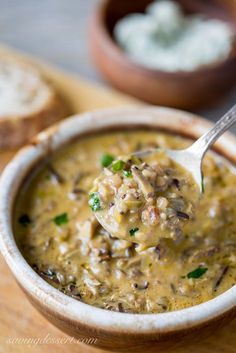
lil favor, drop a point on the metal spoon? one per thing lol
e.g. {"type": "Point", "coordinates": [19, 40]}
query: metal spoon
{"type": "Point", "coordinates": [191, 158]}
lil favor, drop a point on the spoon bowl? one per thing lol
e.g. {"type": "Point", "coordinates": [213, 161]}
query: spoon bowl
{"type": "Point", "coordinates": [134, 211]}
{"type": "Point", "coordinates": [145, 197]}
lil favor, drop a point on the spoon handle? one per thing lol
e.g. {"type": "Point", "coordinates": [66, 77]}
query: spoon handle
{"type": "Point", "coordinates": [201, 146]}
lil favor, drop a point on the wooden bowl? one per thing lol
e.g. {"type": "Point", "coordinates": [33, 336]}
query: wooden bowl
{"type": "Point", "coordinates": [115, 331]}
{"type": "Point", "coordinates": [180, 89]}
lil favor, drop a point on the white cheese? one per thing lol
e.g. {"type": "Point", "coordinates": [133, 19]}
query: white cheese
{"type": "Point", "coordinates": [164, 39]}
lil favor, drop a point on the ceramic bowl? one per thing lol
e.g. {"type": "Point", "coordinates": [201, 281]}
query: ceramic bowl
{"type": "Point", "coordinates": [114, 331]}
{"type": "Point", "coordinates": [185, 90]}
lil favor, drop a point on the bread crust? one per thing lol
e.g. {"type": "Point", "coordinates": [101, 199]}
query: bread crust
{"type": "Point", "coordinates": [16, 130]}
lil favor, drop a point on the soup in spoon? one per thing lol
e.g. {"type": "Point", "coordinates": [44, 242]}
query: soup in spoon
{"type": "Point", "coordinates": [144, 199]}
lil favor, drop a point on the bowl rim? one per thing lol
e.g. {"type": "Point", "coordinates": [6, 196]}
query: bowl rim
{"type": "Point", "coordinates": [98, 25]}
{"type": "Point", "coordinates": [68, 308]}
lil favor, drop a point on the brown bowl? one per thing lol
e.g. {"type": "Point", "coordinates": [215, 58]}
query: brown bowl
{"type": "Point", "coordinates": [114, 331]}
{"type": "Point", "coordinates": [180, 89]}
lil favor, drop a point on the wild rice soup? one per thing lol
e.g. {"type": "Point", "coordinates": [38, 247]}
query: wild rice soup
{"type": "Point", "coordinates": [63, 242]}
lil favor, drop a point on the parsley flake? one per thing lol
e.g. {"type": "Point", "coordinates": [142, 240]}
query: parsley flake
{"type": "Point", "coordinates": [118, 165]}
{"type": "Point", "coordinates": [197, 273]}
{"type": "Point", "coordinates": [106, 160]}
{"type": "Point", "coordinates": [127, 173]}
{"type": "Point", "coordinates": [94, 201]}
{"type": "Point", "coordinates": [61, 219]}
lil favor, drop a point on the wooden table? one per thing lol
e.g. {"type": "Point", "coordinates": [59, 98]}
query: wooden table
{"type": "Point", "coordinates": [18, 319]}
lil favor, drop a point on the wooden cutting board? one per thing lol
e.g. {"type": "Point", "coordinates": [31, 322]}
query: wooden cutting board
{"type": "Point", "coordinates": [18, 319]}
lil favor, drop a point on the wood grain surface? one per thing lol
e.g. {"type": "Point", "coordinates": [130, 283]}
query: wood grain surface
{"type": "Point", "coordinates": [18, 319]}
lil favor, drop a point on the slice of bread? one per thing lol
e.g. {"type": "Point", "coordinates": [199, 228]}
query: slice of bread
{"type": "Point", "coordinates": [28, 103]}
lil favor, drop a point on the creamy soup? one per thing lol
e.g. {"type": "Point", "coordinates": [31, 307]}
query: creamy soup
{"type": "Point", "coordinates": [63, 242]}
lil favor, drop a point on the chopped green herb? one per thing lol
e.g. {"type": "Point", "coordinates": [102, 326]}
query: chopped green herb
{"type": "Point", "coordinates": [24, 220]}
{"type": "Point", "coordinates": [61, 219]}
{"type": "Point", "coordinates": [118, 165]}
{"type": "Point", "coordinates": [197, 273]}
{"type": "Point", "coordinates": [133, 231]}
{"type": "Point", "coordinates": [106, 160]}
{"type": "Point", "coordinates": [127, 173]}
{"type": "Point", "coordinates": [94, 201]}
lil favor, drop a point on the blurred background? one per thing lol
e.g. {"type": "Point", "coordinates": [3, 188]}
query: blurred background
{"type": "Point", "coordinates": [54, 30]}
{"type": "Point", "coordinates": [57, 31]}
